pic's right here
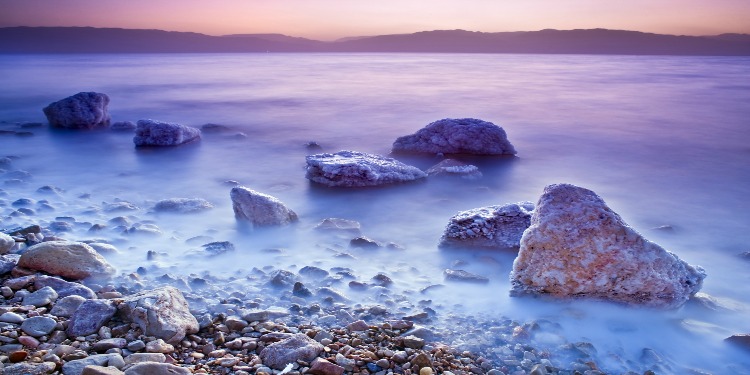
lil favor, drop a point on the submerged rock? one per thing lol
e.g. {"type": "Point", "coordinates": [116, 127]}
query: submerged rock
{"type": "Point", "coordinates": [498, 227]}
{"type": "Point", "coordinates": [355, 169]}
{"type": "Point", "coordinates": [158, 133]}
{"type": "Point", "coordinates": [182, 205]}
{"type": "Point", "coordinates": [339, 225]}
{"type": "Point", "coordinates": [260, 209]}
{"type": "Point", "coordinates": [576, 246]}
{"type": "Point", "coordinates": [123, 126]}
{"type": "Point", "coordinates": [457, 136]}
{"type": "Point", "coordinates": [464, 276]}
{"type": "Point", "coordinates": [85, 110]}
{"type": "Point", "coordinates": [72, 260]}
{"type": "Point", "coordinates": [453, 167]}
{"type": "Point", "coordinates": [161, 312]}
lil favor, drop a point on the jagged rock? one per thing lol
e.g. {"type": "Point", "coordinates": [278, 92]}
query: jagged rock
{"type": "Point", "coordinates": [182, 205]}
{"type": "Point", "coordinates": [67, 306]}
{"type": "Point", "coordinates": [85, 110]}
{"type": "Point", "coordinates": [72, 260]}
{"type": "Point", "coordinates": [339, 225]}
{"type": "Point", "coordinates": [356, 169]}
{"type": "Point", "coordinates": [452, 167]}
{"type": "Point", "coordinates": [260, 209]}
{"type": "Point", "coordinates": [491, 227]}
{"type": "Point", "coordinates": [297, 347]}
{"type": "Point", "coordinates": [465, 276]}
{"type": "Point", "coordinates": [90, 316]}
{"type": "Point", "coordinates": [161, 312]}
{"type": "Point", "coordinates": [6, 243]}
{"type": "Point", "coordinates": [740, 340]}
{"type": "Point", "coordinates": [157, 133]}
{"type": "Point", "coordinates": [457, 136]}
{"type": "Point", "coordinates": [576, 246]}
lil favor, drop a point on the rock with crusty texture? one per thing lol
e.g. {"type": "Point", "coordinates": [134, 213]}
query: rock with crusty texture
{"type": "Point", "coordinates": [497, 227]}
{"type": "Point", "coordinates": [297, 347]}
{"type": "Point", "coordinates": [85, 110]}
{"type": "Point", "coordinates": [357, 169]}
{"type": "Point", "coordinates": [260, 209]}
{"type": "Point", "coordinates": [457, 136]}
{"type": "Point", "coordinates": [576, 246]}
{"type": "Point", "coordinates": [72, 260]}
{"type": "Point", "coordinates": [158, 133]}
{"type": "Point", "coordinates": [6, 243]}
{"type": "Point", "coordinates": [182, 205]}
{"type": "Point", "coordinates": [455, 168]}
{"type": "Point", "coordinates": [161, 312]}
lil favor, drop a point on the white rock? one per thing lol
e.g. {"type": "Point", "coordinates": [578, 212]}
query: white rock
{"type": "Point", "coordinates": [85, 110]}
{"type": "Point", "coordinates": [355, 169]}
{"type": "Point", "coordinates": [457, 136]}
{"type": "Point", "coordinates": [158, 133]}
{"type": "Point", "coordinates": [576, 246]}
{"type": "Point", "coordinates": [260, 209]}
{"type": "Point", "coordinates": [453, 167]}
{"type": "Point", "coordinates": [498, 227]}
{"type": "Point", "coordinates": [6, 243]}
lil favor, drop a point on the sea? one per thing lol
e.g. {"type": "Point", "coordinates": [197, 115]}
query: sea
{"type": "Point", "coordinates": [664, 140]}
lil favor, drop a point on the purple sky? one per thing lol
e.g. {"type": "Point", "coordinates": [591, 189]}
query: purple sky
{"type": "Point", "coordinates": [331, 19]}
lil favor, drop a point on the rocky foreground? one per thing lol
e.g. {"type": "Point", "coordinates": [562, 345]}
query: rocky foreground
{"type": "Point", "coordinates": [50, 325]}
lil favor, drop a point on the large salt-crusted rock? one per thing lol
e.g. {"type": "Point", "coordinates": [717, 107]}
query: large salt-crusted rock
{"type": "Point", "coordinates": [498, 227]}
{"type": "Point", "coordinates": [457, 136]}
{"type": "Point", "coordinates": [72, 260]}
{"type": "Point", "coordinates": [290, 350]}
{"type": "Point", "coordinates": [576, 246]}
{"type": "Point", "coordinates": [161, 312]}
{"type": "Point", "coordinates": [85, 110]}
{"type": "Point", "coordinates": [6, 243]}
{"type": "Point", "coordinates": [182, 205]}
{"type": "Point", "coordinates": [260, 209]}
{"type": "Point", "coordinates": [157, 133]}
{"type": "Point", "coordinates": [354, 169]}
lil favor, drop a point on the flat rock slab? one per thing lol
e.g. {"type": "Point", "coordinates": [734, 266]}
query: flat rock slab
{"type": "Point", "coordinates": [358, 169]}
{"type": "Point", "coordinates": [85, 110]}
{"type": "Point", "coordinates": [158, 133]}
{"type": "Point", "coordinates": [457, 136]}
{"type": "Point", "coordinates": [496, 227]}
{"type": "Point", "coordinates": [577, 247]}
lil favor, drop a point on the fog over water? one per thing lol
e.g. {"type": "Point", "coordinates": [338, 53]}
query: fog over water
{"type": "Point", "coordinates": [663, 140]}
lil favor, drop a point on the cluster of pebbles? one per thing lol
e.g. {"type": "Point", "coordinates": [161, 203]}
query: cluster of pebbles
{"type": "Point", "coordinates": [236, 327]}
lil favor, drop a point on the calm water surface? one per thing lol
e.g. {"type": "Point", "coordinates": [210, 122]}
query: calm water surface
{"type": "Point", "coordinates": [664, 140]}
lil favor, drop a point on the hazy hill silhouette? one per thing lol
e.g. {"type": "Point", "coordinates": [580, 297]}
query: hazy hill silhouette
{"type": "Point", "coordinates": [590, 41]}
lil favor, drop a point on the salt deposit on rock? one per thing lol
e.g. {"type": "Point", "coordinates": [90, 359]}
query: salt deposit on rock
{"type": "Point", "coordinates": [161, 312]}
{"type": "Point", "coordinates": [85, 110]}
{"type": "Point", "coordinates": [72, 260]}
{"type": "Point", "coordinates": [297, 347]}
{"type": "Point", "coordinates": [492, 227]}
{"type": "Point", "coordinates": [457, 136]}
{"type": "Point", "coordinates": [576, 246]}
{"type": "Point", "coordinates": [123, 126]}
{"type": "Point", "coordinates": [338, 225]}
{"type": "Point", "coordinates": [354, 169]}
{"type": "Point", "coordinates": [182, 205]}
{"type": "Point", "coordinates": [157, 133]}
{"type": "Point", "coordinates": [453, 167]}
{"type": "Point", "coordinates": [6, 243]}
{"type": "Point", "coordinates": [260, 209]}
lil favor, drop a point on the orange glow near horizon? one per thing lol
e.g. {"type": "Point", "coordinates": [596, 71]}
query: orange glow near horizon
{"type": "Point", "coordinates": [332, 19]}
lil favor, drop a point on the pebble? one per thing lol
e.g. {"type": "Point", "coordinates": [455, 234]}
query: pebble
{"type": "Point", "coordinates": [38, 326]}
{"type": "Point", "coordinates": [41, 297]}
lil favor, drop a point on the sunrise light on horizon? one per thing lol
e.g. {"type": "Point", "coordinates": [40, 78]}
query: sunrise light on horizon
{"type": "Point", "coordinates": [332, 19]}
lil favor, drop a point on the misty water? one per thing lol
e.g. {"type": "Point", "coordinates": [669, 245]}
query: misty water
{"type": "Point", "coordinates": [665, 141]}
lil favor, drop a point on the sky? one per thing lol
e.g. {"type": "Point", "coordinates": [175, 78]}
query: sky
{"type": "Point", "coordinates": [332, 19]}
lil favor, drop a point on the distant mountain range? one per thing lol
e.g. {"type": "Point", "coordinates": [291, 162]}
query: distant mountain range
{"type": "Point", "coordinates": [589, 41]}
